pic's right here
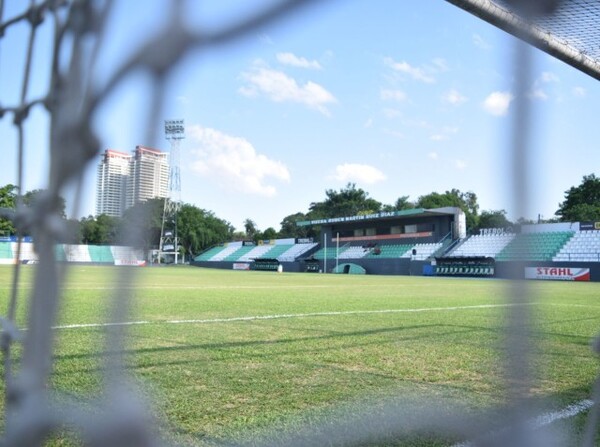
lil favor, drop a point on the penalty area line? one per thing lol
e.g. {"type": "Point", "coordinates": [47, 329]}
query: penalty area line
{"type": "Point", "coordinates": [286, 316]}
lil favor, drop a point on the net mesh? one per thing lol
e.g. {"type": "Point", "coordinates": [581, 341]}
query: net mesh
{"type": "Point", "coordinates": [119, 416]}
{"type": "Point", "coordinates": [569, 33]}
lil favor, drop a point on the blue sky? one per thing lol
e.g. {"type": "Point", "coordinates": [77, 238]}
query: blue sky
{"type": "Point", "coordinates": [401, 98]}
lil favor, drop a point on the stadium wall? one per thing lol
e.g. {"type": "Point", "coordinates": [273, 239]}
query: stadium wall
{"type": "Point", "coordinates": [508, 270]}
{"type": "Point", "coordinates": [406, 267]}
{"type": "Point", "coordinates": [399, 266]}
{"type": "Point", "coordinates": [294, 267]}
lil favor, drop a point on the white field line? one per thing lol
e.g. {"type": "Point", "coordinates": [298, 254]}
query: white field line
{"type": "Point", "coordinates": [567, 412]}
{"type": "Point", "coordinates": [284, 316]}
{"type": "Point", "coordinates": [180, 287]}
{"type": "Point", "coordinates": [545, 419]}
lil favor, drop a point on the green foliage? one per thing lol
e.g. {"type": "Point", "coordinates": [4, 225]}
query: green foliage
{"type": "Point", "coordinates": [199, 229]}
{"type": "Point", "coordinates": [402, 203]}
{"type": "Point", "coordinates": [141, 224]}
{"type": "Point", "coordinates": [269, 233]}
{"type": "Point", "coordinates": [289, 227]}
{"type": "Point", "coordinates": [494, 219]}
{"type": "Point", "coordinates": [250, 228]}
{"type": "Point", "coordinates": [349, 201]}
{"type": "Point", "coordinates": [8, 198]}
{"type": "Point", "coordinates": [582, 203]}
{"type": "Point", "coordinates": [466, 201]}
{"type": "Point", "coordinates": [30, 198]}
{"type": "Point", "coordinates": [100, 230]}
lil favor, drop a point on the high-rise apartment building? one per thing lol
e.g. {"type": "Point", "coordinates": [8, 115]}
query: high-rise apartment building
{"type": "Point", "coordinates": [149, 175]}
{"type": "Point", "coordinates": [112, 183]}
{"type": "Point", "coordinates": [124, 180]}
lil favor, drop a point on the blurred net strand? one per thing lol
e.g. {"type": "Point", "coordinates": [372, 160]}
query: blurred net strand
{"type": "Point", "coordinates": [32, 411]}
{"type": "Point", "coordinates": [31, 415]}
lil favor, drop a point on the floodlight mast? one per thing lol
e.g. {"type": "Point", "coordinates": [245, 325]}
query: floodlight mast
{"type": "Point", "coordinates": [169, 240]}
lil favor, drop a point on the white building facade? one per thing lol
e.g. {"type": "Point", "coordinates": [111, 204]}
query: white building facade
{"type": "Point", "coordinates": [124, 180]}
{"type": "Point", "coordinates": [112, 182]}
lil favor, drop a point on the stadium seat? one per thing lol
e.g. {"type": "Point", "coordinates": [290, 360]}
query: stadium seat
{"type": "Point", "coordinates": [534, 246]}
{"type": "Point", "coordinates": [583, 246]}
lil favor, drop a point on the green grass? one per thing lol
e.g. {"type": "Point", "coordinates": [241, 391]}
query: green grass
{"type": "Point", "coordinates": [214, 380]}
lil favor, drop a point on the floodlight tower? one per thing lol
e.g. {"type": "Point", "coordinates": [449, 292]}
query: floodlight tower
{"type": "Point", "coordinates": [169, 242]}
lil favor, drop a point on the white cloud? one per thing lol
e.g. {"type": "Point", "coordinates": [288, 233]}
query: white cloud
{"type": "Point", "coordinates": [279, 87]}
{"type": "Point", "coordinates": [418, 74]}
{"type": "Point", "coordinates": [369, 123]}
{"type": "Point", "coordinates": [497, 103]}
{"type": "Point", "coordinates": [454, 97]}
{"type": "Point", "coordinates": [266, 39]}
{"type": "Point", "coordinates": [438, 137]}
{"type": "Point", "coordinates": [433, 155]}
{"type": "Point", "coordinates": [233, 162]}
{"type": "Point", "coordinates": [538, 93]}
{"type": "Point", "coordinates": [580, 92]}
{"type": "Point", "coordinates": [296, 61]}
{"type": "Point", "coordinates": [417, 123]}
{"type": "Point", "coordinates": [392, 95]}
{"type": "Point", "coordinates": [394, 133]}
{"type": "Point", "coordinates": [460, 164]}
{"type": "Point", "coordinates": [352, 172]}
{"type": "Point", "coordinates": [549, 77]}
{"type": "Point", "coordinates": [445, 133]}
{"type": "Point", "coordinates": [480, 42]}
{"type": "Point", "coordinates": [391, 113]}
{"type": "Point", "coordinates": [440, 64]}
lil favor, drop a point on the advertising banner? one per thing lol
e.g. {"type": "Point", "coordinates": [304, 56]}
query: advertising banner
{"type": "Point", "coordinates": [134, 263]}
{"type": "Point", "coordinates": [589, 225]}
{"type": "Point", "coordinates": [241, 266]}
{"type": "Point", "coordinates": [558, 273]}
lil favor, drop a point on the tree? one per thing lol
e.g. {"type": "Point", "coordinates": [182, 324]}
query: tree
{"type": "Point", "coordinates": [289, 228]}
{"type": "Point", "coordinates": [8, 197]}
{"type": "Point", "coordinates": [269, 233]}
{"type": "Point", "coordinates": [251, 229]}
{"type": "Point", "coordinates": [30, 198]}
{"type": "Point", "coordinates": [582, 203]}
{"type": "Point", "coordinates": [402, 203]}
{"type": "Point", "coordinates": [198, 229]}
{"type": "Point", "coordinates": [466, 201]}
{"type": "Point", "coordinates": [141, 224]}
{"type": "Point", "coordinates": [100, 230]}
{"type": "Point", "coordinates": [349, 201]}
{"type": "Point", "coordinates": [494, 219]}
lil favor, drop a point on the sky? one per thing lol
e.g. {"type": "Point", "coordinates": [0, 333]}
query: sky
{"type": "Point", "coordinates": [400, 98]}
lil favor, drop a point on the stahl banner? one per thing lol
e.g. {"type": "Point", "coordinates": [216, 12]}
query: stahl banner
{"type": "Point", "coordinates": [241, 266]}
{"type": "Point", "coordinates": [558, 273]}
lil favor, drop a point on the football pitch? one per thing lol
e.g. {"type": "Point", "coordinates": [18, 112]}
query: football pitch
{"type": "Point", "coordinates": [223, 354]}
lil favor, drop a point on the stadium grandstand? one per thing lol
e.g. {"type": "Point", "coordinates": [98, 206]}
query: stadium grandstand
{"type": "Point", "coordinates": [379, 243]}
{"type": "Point", "coordinates": [422, 242]}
